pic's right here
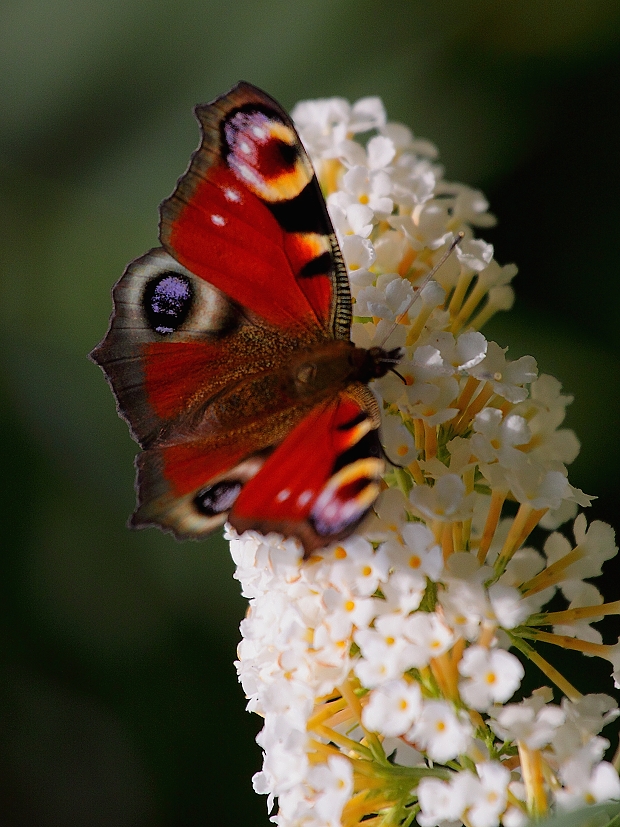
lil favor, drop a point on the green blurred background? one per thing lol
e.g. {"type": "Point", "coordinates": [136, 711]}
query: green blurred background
{"type": "Point", "coordinates": [119, 703]}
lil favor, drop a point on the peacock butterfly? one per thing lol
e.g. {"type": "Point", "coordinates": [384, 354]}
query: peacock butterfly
{"type": "Point", "coordinates": [229, 348]}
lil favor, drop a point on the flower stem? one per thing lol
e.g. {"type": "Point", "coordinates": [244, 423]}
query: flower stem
{"type": "Point", "coordinates": [533, 776]}
{"type": "Point", "coordinates": [567, 642]}
{"type": "Point", "coordinates": [576, 613]}
{"type": "Point", "coordinates": [493, 516]}
{"type": "Point", "coordinates": [546, 668]}
{"type": "Point", "coordinates": [552, 574]}
{"type": "Point", "coordinates": [511, 543]}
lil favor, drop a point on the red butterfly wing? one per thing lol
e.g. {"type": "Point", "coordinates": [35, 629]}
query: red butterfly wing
{"type": "Point", "coordinates": [248, 216]}
{"type": "Point", "coordinates": [320, 482]}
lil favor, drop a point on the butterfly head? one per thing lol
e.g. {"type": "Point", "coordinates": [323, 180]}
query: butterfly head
{"type": "Point", "coordinates": [375, 362]}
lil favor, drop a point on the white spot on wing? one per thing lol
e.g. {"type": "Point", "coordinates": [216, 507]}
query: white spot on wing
{"type": "Point", "coordinates": [249, 174]}
{"type": "Point", "coordinates": [304, 498]}
{"type": "Point", "coordinates": [218, 220]}
{"type": "Point", "coordinates": [245, 147]}
{"type": "Point", "coordinates": [283, 495]}
{"type": "Point", "coordinates": [232, 195]}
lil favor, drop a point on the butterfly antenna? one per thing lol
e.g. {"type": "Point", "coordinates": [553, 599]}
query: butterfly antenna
{"type": "Point", "coordinates": [460, 236]}
{"type": "Point", "coordinates": [400, 376]}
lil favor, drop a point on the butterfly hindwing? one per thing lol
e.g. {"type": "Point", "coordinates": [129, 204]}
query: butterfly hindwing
{"type": "Point", "coordinates": [321, 481]}
{"type": "Point", "coordinates": [316, 485]}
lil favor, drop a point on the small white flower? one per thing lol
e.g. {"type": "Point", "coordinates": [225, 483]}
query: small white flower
{"type": "Point", "coordinates": [496, 436]}
{"type": "Point", "coordinates": [358, 279]}
{"type": "Point", "coordinates": [508, 608]}
{"type": "Point", "coordinates": [378, 154]}
{"type": "Point", "coordinates": [413, 181]}
{"type": "Point", "coordinates": [420, 552]}
{"type": "Point", "coordinates": [534, 485]}
{"type": "Point", "coordinates": [464, 601]}
{"type": "Point", "coordinates": [430, 636]}
{"type": "Point", "coordinates": [331, 785]}
{"type": "Point", "coordinates": [388, 514]}
{"type": "Point", "coordinates": [392, 708]}
{"type": "Point", "coordinates": [474, 253]}
{"type": "Point", "coordinates": [346, 610]}
{"type": "Point", "coordinates": [514, 817]}
{"type": "Point", "coordinates": [366, 186]}
{"type": "Point", "coordinates": [441, 731]}
{"type": "Point", "coordinates": [613, 656]}
{"type": "Point", "coordinates": [489, 802]}
{"type": "Point", "coordinates": [325, 123]}
{"type": "Point", "coordinates": [367, 113]}
{"type": "Point", "coordinates": [531, 721]}
{"type": "Point", "coordinates": [358, 252]}
{"type": "Point", "coordinates": [458, 353]}
{"type": "Point", "coordinates": [584, 719]}
{"type": "Point", "coordinates": [355, 219]}
{"type": "Point", "coordinates": [491, 676]}
{"type": "Point", "coordinates": [398, 440]}
{"type": "Point", "coordinates": [358, 567]}
{"type": "Point", "coordinates": [389, 248]}
{"type": "Point", "coordinates": [430, 386]}
{"type": "Point", "coordinates": [467, 205]}
{"type": "Point", "coordinates": [387, 300]}
{"type": "Point", "coordinates": [442, 802]}
{"type": "Point", "coordinates": [386, 651]}
{"type": "Point", "coordinates": [508, 378]}
{"type": "Point", "coordinates": [597, 543]}
{"type": "Point", "coordinates": [445, 501]}
{"type": "Point", "coordinates": [580, 594]}
{"type": "Point", "coordinates": [584, 784]}
{"type": "Point", "coordinates": [426, 226]}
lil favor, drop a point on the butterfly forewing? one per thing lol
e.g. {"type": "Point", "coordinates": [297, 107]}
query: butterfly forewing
{"type": "Point", "coordinates": [248, 216]}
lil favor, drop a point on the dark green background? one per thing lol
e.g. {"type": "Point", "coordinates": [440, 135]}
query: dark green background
{"type": "Point", "coordinates": [118, 699]}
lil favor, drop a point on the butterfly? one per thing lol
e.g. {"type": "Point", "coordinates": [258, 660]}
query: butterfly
{"type": "Point", "coordinates": [229, 349]}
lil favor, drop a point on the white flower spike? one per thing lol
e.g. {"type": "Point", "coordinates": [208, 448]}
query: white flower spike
{"type": "Point", "coordinates": [381, 666]}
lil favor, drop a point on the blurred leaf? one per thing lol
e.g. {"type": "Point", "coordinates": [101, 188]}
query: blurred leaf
{"type": "Point", "coordinates": [597, 815]}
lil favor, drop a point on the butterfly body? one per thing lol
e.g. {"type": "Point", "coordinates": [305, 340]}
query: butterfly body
{"type": "Point", "coordinates": [229, 351]}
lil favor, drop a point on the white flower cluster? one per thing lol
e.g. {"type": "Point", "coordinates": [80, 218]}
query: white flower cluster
{"type": "Point", "coordinates": [382, 665]}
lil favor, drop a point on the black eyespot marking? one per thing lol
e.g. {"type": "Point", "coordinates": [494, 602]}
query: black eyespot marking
{"type": "Point", "coordinates": [328, 528]}
{"type": "Point", "coordinates": [322, 265]}
{"type": "Point", "coordinates": [288, 152]}
{"type": "Point", "coordinates": [341, 511]}
{"type": "Point", "coordinates": [217, 498]}
{"type": "Point", "coordinates": [347, 426]}
{"type": "Point", "coordinates": [167, 301]}
{"type": "Point", "coordinates": [305, 213]}
{"type": "Point", "coordinates": [368, 446]}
